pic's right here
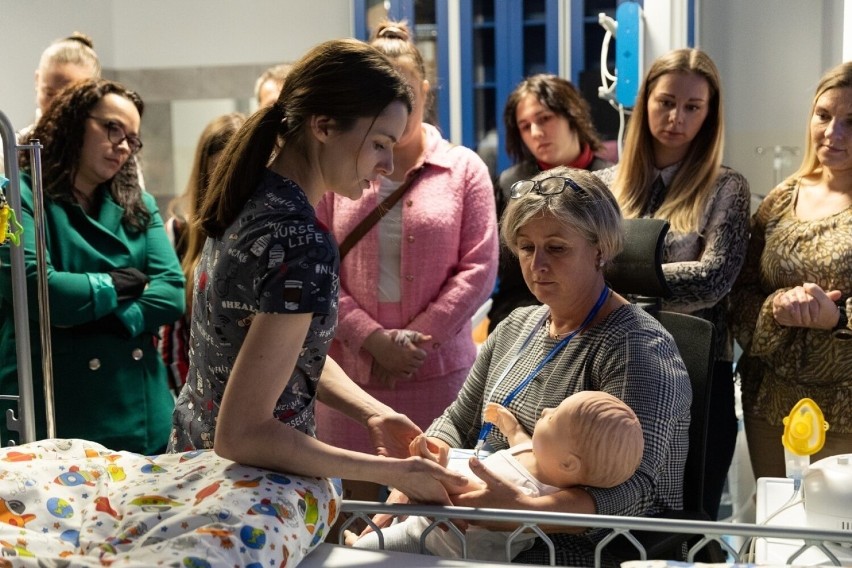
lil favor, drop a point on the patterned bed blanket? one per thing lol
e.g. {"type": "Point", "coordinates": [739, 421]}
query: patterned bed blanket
{"type": "Point", "coordinates": [77, 503]}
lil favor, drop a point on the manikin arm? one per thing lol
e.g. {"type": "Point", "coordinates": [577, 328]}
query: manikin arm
{"type": "Point", "coordinates": [506, 422]}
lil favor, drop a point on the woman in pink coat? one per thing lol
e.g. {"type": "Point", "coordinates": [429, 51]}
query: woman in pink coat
{"type": "Point", "coordinates": [410, 285]}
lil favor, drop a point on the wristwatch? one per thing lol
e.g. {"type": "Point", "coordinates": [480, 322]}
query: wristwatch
{"type": "Point", "coordinates": [841, 330]}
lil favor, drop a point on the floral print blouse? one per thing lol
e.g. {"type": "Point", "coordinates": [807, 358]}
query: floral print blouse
{"type": "Point", "coordinates": [781, 365]}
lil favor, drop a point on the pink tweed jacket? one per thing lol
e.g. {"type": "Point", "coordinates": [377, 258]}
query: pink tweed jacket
{"type": "Point", "coordinates": [449, 260]}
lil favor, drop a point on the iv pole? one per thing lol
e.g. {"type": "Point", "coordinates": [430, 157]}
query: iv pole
{"type": "Point", "coordinates": [24, 422]}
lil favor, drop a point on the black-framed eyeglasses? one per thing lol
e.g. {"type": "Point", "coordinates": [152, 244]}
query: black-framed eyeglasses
{"type": "Point", "coordinates": [546, 186]}
{"type": "Point", "coordinates": [117, 135]}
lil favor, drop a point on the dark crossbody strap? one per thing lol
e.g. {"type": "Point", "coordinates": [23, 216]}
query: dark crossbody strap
{"type": "Point", "coordinates": [376, 214]}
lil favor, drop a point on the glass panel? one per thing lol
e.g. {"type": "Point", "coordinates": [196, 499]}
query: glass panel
{"type": "Point", "coordinates": [594, 7]}
{"type": "Point", "coordinates": [377, 10]}
{"type": "Point", "coordinates": [535, 57]}
{"type": "Point", "coordinates": [485, 111]}
{"type": "Point", "coordinates": [483, 55]}
{"type": "Point", "coordinates": [483, 11]}
{"type": "Point", "coordinates": [424, 12]}
{"type": "Point", "coordinates": [426, 39]}
{"type": "Point", "coordinates": [534, 10]}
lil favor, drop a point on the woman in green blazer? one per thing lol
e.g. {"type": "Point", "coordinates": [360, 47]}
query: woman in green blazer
{"type": "Point", "coordinates": [113, 277]}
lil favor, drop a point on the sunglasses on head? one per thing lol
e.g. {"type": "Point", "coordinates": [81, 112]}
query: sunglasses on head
{"type": "Point", "coordinates": [546, 186]}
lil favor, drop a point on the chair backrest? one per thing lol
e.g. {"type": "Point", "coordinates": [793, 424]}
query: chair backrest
{"type": "Point", "coordinates": [638, 269]}
{"type": "Point", "coordinates": [637, 272]}
{"type": "Point", "coordinates": [696, 342]}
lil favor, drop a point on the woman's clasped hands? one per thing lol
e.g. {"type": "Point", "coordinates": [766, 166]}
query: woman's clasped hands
{"type": "Point", "coordinates": [807, 305]}
{"type": "Point", "coordinates": [397, 354]}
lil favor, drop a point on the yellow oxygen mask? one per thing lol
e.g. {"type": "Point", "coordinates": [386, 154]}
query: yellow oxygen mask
{"type": "Point", "coordinates": [804, 435]}
{"type": "Point", "coordinates": [804, 428]}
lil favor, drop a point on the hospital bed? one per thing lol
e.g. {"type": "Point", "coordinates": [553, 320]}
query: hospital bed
{"type": "Point", "coordinates": [75, 502]}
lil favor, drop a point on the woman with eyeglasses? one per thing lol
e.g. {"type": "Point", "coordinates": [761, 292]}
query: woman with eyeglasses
{"type": "Point", "coordinates": [672, 169]}
{"type": "Point", "coordinates": [113, 277]}
{"type": "Point", "coordinates": [564, 226]}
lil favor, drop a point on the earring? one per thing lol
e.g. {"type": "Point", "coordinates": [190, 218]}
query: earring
{"type": "Point", "coordinates": [601, 263]}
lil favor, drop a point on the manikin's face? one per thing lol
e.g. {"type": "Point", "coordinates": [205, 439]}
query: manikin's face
{"type": "Point", "coordinates": [352, 160]}
{"type": "Point", "coordinates": [100, 158]}
{"type": "Point", "coordinates": [677, 107]}
{"type": "Point", "coordinates": [53, 78]}
{"type": "Point", "coordinates": [553, 442]}
{"type": "Point", "coordinates": [831, 129]}
{"type": "Point", "coordinates": [547, 135]}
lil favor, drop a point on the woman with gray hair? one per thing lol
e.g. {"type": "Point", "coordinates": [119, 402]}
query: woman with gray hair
{"type": "Point", "coordinates": [565, 226]}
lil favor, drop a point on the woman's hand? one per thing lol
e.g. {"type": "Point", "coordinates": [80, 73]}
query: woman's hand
{"type": "Point", "coordinates": [129, 283]}
{"type": "Point", "coordinates": [497, 493]}
{"type": "Point", "coordinates": [392, 434]}
{"type": "Point", "coordinates": [807, 305]}
{"type": "Point", "coordinates": [424, 481]}
{"type": "Point", "coordinates": [396, 354]}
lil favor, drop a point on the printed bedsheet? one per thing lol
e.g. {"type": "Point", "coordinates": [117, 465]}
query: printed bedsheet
{"type": "Point", "coordinates": [77, 503]}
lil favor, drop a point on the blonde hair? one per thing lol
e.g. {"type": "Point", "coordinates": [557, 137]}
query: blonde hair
{"type": "Point", "coordinates": [593, 212]}
{"type": "Point", "coordinates": [76, 49]}
{"type": "Point", "coordinates": [690, 189]}
{"type": "Point", "coordinates": [276, 73]}
{"type": "Point", "coordinates": [393, 39]}
{"type": "Point", "coordinates": [608, 437]}
{"type": "Point", "coordinates": [838, 77]}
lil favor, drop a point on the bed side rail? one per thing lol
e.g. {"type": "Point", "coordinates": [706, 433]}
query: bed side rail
{"type": "Point", "coordinates": [530, 521]}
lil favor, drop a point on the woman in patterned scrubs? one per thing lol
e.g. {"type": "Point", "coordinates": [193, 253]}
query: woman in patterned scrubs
{"type": "Point", "coordinates": [672, 169]}
{"type": "Point", "coordinates": [266, 288]}
{"type": "Point", "coordinates": [793, 297]}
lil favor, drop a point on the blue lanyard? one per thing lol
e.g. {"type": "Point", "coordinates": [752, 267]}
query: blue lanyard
{"type": "Point", "coordinates": [488, 426]}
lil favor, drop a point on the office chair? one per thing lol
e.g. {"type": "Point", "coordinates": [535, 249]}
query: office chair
{"type": "Point", "coordinates": [637, 274]}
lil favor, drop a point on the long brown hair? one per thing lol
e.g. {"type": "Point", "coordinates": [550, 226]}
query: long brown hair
{"type": "Point", "coordinates": [61, 130]}
{"type": "Point", "coordinates": [691, 186]}
{"type": "Point", "coordinates": [343, 79]}
{"type": "Point", "coordinates": [212, 141]}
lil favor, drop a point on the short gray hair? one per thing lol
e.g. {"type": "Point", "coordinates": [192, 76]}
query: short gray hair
{"type": "Point", "coordinates": [593, 212]}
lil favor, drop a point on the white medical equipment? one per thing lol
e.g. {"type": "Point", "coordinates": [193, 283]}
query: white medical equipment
{"type": "Point", "coordinates": [828, 493]}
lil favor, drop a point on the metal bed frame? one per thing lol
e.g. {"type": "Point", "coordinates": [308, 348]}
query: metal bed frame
{"type": "Point", "coordinates": [529, 520]}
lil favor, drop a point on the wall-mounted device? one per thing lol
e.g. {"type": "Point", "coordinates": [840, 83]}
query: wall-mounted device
{"type": "Point", "coordinates": [621, 88]}
{"type": "Point", "coordinates": [629, 52]}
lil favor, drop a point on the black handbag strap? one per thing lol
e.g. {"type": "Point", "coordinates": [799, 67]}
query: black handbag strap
{"type": "Point", "coordinates": [376, 214]}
